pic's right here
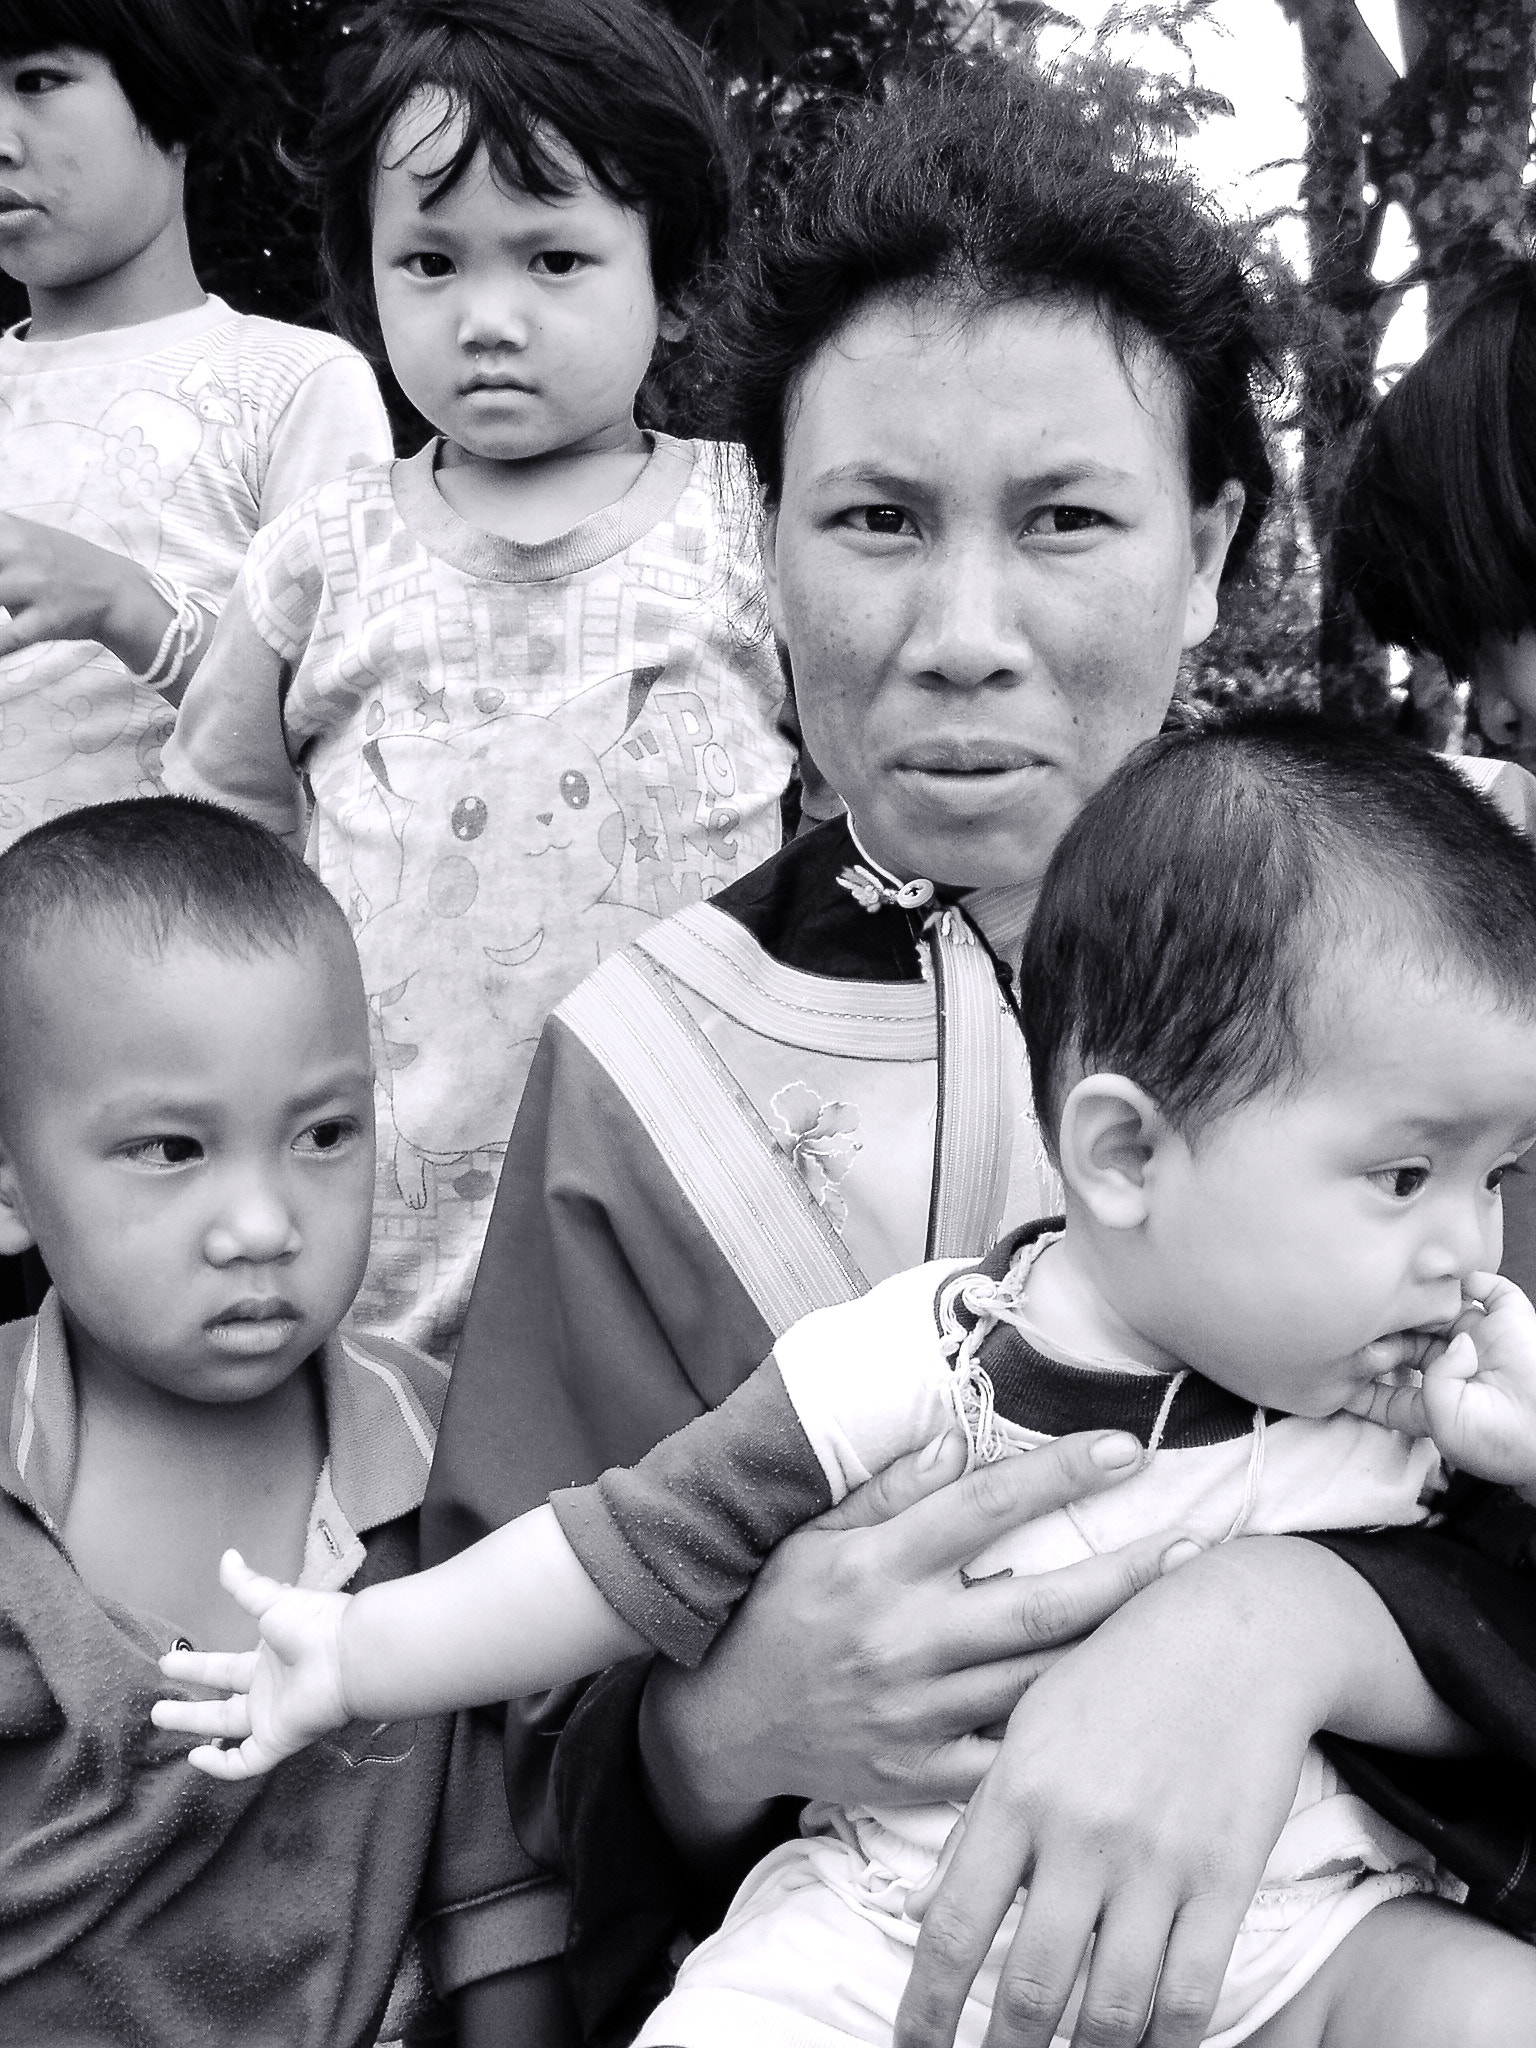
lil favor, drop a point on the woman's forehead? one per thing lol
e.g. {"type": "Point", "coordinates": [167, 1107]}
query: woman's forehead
{"type": "Point", "coordinates": [1040, 381]}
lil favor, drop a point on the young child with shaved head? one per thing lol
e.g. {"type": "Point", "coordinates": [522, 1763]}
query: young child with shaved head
{"type": "Point", "coordinates": [186, 1134]}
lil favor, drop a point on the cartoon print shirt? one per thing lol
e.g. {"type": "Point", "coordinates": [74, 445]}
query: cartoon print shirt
{"type": "Point", "coordinates": [519, 755]}
{"type": "Point", "coordinates": [172, 443]}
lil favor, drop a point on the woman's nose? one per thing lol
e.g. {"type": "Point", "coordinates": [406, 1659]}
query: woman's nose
{"type": "Point", "coordinates": [968, 633]}
{"type": "Point", "coordinates": [254, 1226]}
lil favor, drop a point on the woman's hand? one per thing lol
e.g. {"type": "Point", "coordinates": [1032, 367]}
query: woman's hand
{"type": "Point", "coordinates": [55, 586]}
{"type": "Point", "coordinates": [1141, 1786]}
{"type": "Point", "coordinates": [861, 1664]}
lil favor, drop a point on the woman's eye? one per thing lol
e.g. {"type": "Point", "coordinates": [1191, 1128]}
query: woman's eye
{"type": "Point", "coordinates": [40, 79]}
{"type": "Point", "coordinates": [558, 262]}
{"type": "Point", "coordinates": [882, 519]}
{"type": "Point", "coordinates": [326, 1137]}
{"type": "Point", "coordinates": [1062, 519]}
{"type": "Point", "coordinates": [1401, 1181]}
{"type": "Point", "coordinates": [430, 263]}
{"type": "Point", "coordinates": [161, 1153]}
{"type": "Point", "coordinates": [1495, 1179]}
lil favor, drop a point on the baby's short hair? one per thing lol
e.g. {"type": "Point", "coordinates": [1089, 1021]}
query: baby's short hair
{"type": "Point", "coordinates": [157, 869]}
{"type": "Point", "coordinates": [1199, 896]}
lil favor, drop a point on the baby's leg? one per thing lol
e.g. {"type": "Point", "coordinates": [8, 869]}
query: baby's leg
{"type": "Point", "coordinates": [1416, 1973]}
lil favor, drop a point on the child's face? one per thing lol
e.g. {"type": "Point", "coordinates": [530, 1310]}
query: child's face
{"type": "Point", "coordinates": [188, 1139]}
{"type": "Point", "coordinates": [83, 189]}
{"type": "Point", "coordinates": [1306, 1224]}
{"type": "Point", "coordinates": [519, 327]}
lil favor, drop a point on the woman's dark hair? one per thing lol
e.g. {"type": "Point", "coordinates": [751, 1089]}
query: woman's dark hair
{"type": "Point", "coordinates": [615, 82]}
{"type": "Point", "coordinates": [1192, 904]}
{"type": "Point", "coordinates": [978, 181]}
{"type": "Point", "coordinates": [187, 67]}
{"type": "Point", "coordinates": [1436, 532]}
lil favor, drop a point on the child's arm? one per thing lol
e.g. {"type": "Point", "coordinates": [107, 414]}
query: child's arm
{"type": "Point", "coordinates": [229, 746]}
{"type": "Point", "coordinates": [56, 586]}
{"type": "Point", "coordinates": [513, 1614]}
{"type": "Point", "coordinates": [1478, 1397]}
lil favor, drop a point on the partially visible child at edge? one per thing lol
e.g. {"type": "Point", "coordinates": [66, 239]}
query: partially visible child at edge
{"type": "Point", "coordinates": [186, 1132]}
{"type": "Point", "coordinates": [525, 672]}
{"type": "Point", "coordinates": [1280, 1000]}
{"type": "Point", "coordinates": [146, 430]}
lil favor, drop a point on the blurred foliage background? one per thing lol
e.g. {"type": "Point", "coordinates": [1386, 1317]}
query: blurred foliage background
{"type": "Point", "coordinates": [1447, 138]}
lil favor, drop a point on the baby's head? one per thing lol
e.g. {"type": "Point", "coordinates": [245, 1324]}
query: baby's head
{"type": "Point", "coordinates": [100, 101]}
{"type": "Point", "coordinates": [518, 198]}
{"type": "Point", "coordinates": [186, 1095]}
{"type": "Point", "coordinates": [1280, 1000]}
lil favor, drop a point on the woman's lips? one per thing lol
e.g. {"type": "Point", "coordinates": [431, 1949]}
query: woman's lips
{"type": "Point", "coordinates": [967, 757]}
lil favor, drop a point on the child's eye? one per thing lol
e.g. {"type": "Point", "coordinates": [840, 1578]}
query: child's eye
{"type": "Point", "coordinates": [1064, 519]}
{"type": "Point", "coordinates": [558, 262]}
{"type": "Point", "coordinates": [40, 78]}
{"type": "Point", "coordinates": [429, 263]}
{"type": "Point", "coordinates": [881, 519]}
{"type": "Point", "coordinates": [328, 1136]}
{"type": "Point", "coordinates": [160, 1154]}
{"type": "Point", "coordinates": [1401, 1182]}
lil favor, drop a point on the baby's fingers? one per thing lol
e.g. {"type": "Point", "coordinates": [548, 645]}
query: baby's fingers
{"type": "Point", "coordinates": [227, 1670]}
{"type": "Point", "coordinates": [254, 1593]}
{"type": "Point", "coordinates": [230, 1718]}
{"type": "Point", "coordinates": [1392, 1407]}
{"type": "Point", "coordinates": [250, 1760]}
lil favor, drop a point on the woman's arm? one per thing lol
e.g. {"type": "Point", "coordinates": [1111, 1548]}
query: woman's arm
{"type": "Point", "coordinates": [1142, 1784]}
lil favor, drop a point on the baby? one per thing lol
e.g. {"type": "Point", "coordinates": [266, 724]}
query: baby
{"type": "Point", "coordinates": [186, 1133]}
{"type": "Point", "coordinates": [1280, 997]}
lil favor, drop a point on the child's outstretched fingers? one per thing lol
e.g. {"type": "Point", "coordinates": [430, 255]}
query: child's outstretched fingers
{"type": "Point", "coordinates": [205, 1717]}
{"type": "Point", "coordinates": [232, 1670]}
{"type": "Point", "coordinates": [254, 1592]}
{"type": "Point", "coordinates": [232, 1765]}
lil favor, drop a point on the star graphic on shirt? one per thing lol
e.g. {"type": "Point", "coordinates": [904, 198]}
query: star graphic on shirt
{"type": "Point", "coordinates": [645, 844]}
{"type": "Point", "coordinates": [430, 708]}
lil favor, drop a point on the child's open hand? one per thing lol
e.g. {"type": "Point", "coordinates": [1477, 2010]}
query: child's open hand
{"type": "Point", "coordinates": [284, 1695]}
{"type": "Point", "coordinates": [1478, 1393]}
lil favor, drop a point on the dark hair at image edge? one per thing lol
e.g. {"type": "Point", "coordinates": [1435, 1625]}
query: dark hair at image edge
{"type": "Point", "coordinates": [1436, 533]}
{"type": "Point", "coordinates": [1186, 911]}
{"type": "Point", "coordinates": [160, 869]}
{"type": "Point", "coordinates": [188, 68]}
{"type": "Point", "coordinates": [610, 78]}
{"type": "Point", "coordinates": [973, 181]}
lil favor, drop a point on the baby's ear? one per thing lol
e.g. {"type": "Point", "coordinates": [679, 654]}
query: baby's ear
{"type": "Point", "coordinates": [1110, 1132]}
{"type": "Point", "coordinates": [670, 326]}
{"type": "Point", "coordinates": [15, 1231]}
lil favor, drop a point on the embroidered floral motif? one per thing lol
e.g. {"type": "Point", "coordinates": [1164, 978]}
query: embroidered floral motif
{"type": "Point", "coordinates": [818, 1136]}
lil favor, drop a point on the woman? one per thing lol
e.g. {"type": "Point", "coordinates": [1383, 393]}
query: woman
{"type": "Point", "coordinates": [1000, 393]}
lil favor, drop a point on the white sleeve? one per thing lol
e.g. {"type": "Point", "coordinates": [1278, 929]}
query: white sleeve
{"type": "Point", "coordinates": [334, 422]}
{"type": "Point", "coordinates": [868, 1378]}
{"type": "Point", "coordinates": [228, 746]}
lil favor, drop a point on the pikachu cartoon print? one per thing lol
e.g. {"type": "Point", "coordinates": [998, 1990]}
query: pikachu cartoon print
{"type": "Point", "coordinates": [510, 839]}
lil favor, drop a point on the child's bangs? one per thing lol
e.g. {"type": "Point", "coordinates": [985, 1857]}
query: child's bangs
{"type": "Point", "coordinates": [527, 151]}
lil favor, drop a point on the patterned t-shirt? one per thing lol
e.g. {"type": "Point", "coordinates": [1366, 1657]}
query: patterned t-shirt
{"type": "Point", "coordinates": [170, 443]}
{"type": "Point", "coordinates": [520, 755]}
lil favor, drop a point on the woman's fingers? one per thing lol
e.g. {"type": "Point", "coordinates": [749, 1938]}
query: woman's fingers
{"type": "Point", "coordinates": [229, 1718]}
{"type": "Point", "coordinates": [1035, 1984]}
{"type": "Point", "coordinates": [1199, 1949]}
{"type": "Point", "coordinates": [900, 1486]}
{"type": "Point", "coordinates": [956, 1523]}
{"type": "Point", "coordinates": [1123, 1970]}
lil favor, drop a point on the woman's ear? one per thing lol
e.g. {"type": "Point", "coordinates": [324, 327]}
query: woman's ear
{"type": "Point", "coordinates": [1211, 530]}
{"type": "Point", "coordinates": [669, 325]}
{"type": "Point", "coordinates": [768, 538]}
{"type": "Point", "coordinates": [15, 1231]}
{"type": "Point", "coordinates": [1110, 1132]}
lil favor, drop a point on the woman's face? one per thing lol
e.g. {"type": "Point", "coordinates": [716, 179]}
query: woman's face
{"type": "Point", "coordinates": [985, 564]}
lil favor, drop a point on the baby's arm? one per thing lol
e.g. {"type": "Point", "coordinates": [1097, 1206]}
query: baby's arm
{"type": "Point", "coordinates": [513, 1614]}
{"type": "Point", "coordinates": [1478, 1397]}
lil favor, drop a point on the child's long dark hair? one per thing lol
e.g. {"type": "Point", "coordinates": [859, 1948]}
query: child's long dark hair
{"type": "Point", "coordinates": [609, 78]}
